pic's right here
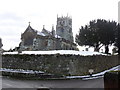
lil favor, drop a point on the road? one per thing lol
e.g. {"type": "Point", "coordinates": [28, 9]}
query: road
{"type": "Point", "coordinates": [73, 83]}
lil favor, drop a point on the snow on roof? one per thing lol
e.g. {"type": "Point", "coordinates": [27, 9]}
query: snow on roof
{"type": "Point", "coordinates": [46, 32]}
{"type": "Point", "coordinates": [43, 34]}
{"type": "Point", "coordinates": [61, 52]}
{"type": "Point", "coordinates": [40, 33]}
{"type": "Point", "coordinates": [57, 36]}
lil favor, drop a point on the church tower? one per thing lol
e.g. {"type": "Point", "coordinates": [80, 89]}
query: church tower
{"type": "Point", "coordinates": [64, 28]}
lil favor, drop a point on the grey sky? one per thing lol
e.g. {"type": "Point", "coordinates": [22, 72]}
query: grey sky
{"type": "Point", "coordinates": [15, 15]}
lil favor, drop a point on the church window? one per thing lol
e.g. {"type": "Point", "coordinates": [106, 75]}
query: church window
{"type": "Point", "coordinates": [69, 23]}
{"type": "Point", "coordinates": [60, 23]}
{"type": "Point", "coordinates": [63, 22]}
{"type": "Point", "coordinates": [62, 30]}
{"type": "Point", "coordinates": [46, 43]}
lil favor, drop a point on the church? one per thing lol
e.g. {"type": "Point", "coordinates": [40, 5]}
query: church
{"type": "Point", "coordinates": [59, 39]}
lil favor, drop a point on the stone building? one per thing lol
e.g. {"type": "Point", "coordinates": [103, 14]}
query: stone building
{"type": "Point", "coordinates": [1, 43]}
{"type": "Point", "coordinates": [64, 28]}
{"type": "Point", "coordinates": [61, 39]}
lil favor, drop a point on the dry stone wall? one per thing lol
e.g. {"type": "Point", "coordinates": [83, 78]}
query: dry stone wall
{"type": "Point", "coordinates": [60, 64]}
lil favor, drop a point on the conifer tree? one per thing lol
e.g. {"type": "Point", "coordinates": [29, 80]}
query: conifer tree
{"type": "Point", "coordinates": [97, 34]}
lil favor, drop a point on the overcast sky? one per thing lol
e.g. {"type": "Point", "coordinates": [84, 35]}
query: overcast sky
{"type": "Point", "coordinates": [15, 15]}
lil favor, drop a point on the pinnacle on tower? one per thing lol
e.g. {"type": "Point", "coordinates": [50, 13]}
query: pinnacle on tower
{"type": "Point", "coordinates": [52, 27]}
{"type": "Point", "coordinates": [53, 31]}
{"type": "Point", "coordinates": [43, 26]}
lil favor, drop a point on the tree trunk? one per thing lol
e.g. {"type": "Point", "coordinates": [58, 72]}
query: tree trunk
{"type": "Point", "coordinates": [96, 49]}
{"type": "Point", "coordinates": [106, 49]}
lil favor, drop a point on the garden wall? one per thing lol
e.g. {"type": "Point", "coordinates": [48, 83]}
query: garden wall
{"type": "Point", "coordinates": [60, 64]}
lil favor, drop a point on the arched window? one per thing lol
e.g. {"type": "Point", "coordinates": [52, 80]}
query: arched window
{"type": "Point", "coordinates": [62, 29]}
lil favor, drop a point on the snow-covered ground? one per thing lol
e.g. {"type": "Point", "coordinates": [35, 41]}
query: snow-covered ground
{"type": "Point", "coordinates": [71, 52]}
{"type": "Point", "coordinates": [20, 71]}
{"type": "Point", "coordinates": [94, 76]}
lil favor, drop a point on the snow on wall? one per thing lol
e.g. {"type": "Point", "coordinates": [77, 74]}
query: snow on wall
{"type": "Point", "coordinates": [61, 52]}
{"type": "Point", "coordinates": [59, 64]}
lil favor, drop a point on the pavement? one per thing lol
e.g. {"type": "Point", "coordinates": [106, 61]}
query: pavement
{"type": "Point", "coordinates": [53, 84]}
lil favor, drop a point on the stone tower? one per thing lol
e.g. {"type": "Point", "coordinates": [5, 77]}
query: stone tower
{"type": "Point", "coordinates": [64, 28]}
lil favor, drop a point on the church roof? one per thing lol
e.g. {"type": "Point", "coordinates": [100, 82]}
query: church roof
{"type": "Point", "coordinates": [47, 33]}
{"type": "Point", "coordinates": [30, 29]}
{"type": "Point", "coordinates": [40, 33]}
{"type": "Point", "coordinates": [57, 36]}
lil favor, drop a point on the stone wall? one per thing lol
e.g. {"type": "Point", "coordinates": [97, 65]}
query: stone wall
{"type": "Point", "coordinates": [60, 64]}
